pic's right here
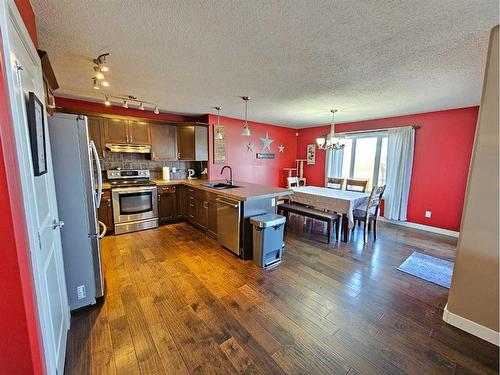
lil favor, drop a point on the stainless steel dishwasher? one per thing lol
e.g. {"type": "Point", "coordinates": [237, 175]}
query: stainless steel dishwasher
{"type": "Point", "coordinates": [228, 224]}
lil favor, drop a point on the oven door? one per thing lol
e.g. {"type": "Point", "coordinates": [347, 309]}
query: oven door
{"type": "Point", "coordinates": [134, 203]}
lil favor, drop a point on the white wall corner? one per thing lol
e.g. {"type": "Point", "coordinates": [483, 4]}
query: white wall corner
{"type": "Point", "coordinates": [471, 327]}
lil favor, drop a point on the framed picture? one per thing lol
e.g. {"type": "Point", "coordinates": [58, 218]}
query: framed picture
{"type": "Point", "coordinates": [311, 154]}
{"type": "Point", "coordinates": [36, 126]}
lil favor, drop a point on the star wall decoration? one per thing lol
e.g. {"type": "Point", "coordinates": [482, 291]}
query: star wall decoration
{"type": "Point", "coordinates": [266, 142]}
{"type": "Point", "coordinates": [249, 147]}
{"type": "Point", "coordinates": [281, 148]}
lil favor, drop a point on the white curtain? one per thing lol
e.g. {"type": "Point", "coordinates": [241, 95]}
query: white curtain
{"type": "Point", "coordinates": [333, 165]}
{"type": "Point", "coordinates": [400, 146]}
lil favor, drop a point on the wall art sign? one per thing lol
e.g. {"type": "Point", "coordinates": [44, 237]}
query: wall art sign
{"type": "Point", "coordinates": [261, 155]}
{"type": "Point", "coordinates": [36, 125]}
{"type": "Point", "coordinates": [219, 146]}
{"type": "Point", "coordinates": [311, 154]}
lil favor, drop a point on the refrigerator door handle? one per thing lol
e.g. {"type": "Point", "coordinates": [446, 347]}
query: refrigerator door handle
{"type": "Point", "coordinates": [99, 174]}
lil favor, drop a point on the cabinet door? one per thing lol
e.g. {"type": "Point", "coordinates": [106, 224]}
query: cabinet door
{"type": "Point", "coordinates": [181, 201]}
{"type": "Point", "coordinates": [95, 128]}
{"type": "Point", "coordinates": [105, 211]}
{"type": "Point", "coordinates": [212, 217]}
{"type": "Point", "coordinates": [167, 204]}
{"type": "Point", "coordinates": [185, 142]}
{"type": "Point", "coordinates": [201, 143]}
{"type": "Point", "coordinates": [139, 133]}
{"type": "Point", "coordinates": [163, 142]}
{"type": "Point", "coordinates": [191, 210]}
{"type": "Point", "coordinates": [115, 130]}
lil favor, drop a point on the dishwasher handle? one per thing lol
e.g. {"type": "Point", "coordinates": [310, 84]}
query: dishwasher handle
{"type": "Point", "coordinates": [232, 204]}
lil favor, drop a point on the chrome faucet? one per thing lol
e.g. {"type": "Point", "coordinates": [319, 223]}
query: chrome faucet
{"type": "Point", "coordinates": [230, 181]}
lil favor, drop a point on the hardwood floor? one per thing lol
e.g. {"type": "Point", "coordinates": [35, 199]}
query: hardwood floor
{"type": "Point", "coordinates": [177, 303]}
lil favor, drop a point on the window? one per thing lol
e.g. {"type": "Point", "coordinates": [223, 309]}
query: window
{"type": "Point", "coordinates": [364, 157]}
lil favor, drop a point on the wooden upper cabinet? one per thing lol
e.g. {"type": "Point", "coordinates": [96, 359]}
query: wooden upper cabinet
{"type": "Point", "coordinates": [201, 143]}
{"type": "Point", "coordinates": [115, 130]}
{"type": "Point", "coordinates": [139, 132]}
{"type": "Point", "coordinates": [124, 131]}
{"type": "Point", "coordinates": [192, 142]}
{"type": "Point", "coordinates": [95, 134]}
{"type": "Point", "coordinates": [163, 142]}
{"type": "Point", "coordinates": [186, 142]}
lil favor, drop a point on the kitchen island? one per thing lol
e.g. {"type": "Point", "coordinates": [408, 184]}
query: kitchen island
{"type": "Point", "coordinates": [221, 213]}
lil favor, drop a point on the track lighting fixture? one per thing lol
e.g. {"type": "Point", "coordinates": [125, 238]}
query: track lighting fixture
{"type": "Point", "coordinates": [98, 73]}
{"type": "Point", "coordinates": [127, 99]}
{"type": "Point", "coordinates": [96, 84]}
{"type": "Point", "coordinates": [101, 62]}
{"type": "Point", "coordinates": [246, 129]}
{"type": "Point", "coordinates": [105, 84]}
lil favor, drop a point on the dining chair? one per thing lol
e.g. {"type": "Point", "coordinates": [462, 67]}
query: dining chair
{"type": "Point", "coordinates": [370, 213]}
{"type": "Point", "coordinates": [338, 183]}
{"type": "Point", "coordinates": [356, 185]}
{"type": "Point", "coordinates": [292, 182]}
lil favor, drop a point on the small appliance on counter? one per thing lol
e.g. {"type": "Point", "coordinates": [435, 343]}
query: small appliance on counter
{"type": "Point", "coordinates": [133, 197]}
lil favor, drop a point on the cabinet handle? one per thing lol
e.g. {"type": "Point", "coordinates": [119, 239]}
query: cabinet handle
{"type": "Point", "coordinates": [131, 140]}
{"type": "Point", "coordinates": [152, 154]}
{"type": "Point", "coordinates": [178, 155]}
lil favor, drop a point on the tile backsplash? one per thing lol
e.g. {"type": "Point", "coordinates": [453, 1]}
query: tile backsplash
{"type": "Point", "coordinates": [143, 161]}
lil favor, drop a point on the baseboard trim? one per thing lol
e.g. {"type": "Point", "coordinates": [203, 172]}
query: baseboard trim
{"type": "Point", "coordinates": [426, 228]}
{"type": "Point", "coordinates": [471, 327]}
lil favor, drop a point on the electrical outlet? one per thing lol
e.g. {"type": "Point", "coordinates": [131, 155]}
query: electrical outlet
{"type": "Point", "coordinates": [428, 214]}
{"type": "Point", "coordinates": [80, 291]}
{"type": "Point", "coordinates": [273, 202]}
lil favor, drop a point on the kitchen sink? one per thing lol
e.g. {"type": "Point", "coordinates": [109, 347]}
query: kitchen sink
{"type": "Point", "coordinates": [219, 185]}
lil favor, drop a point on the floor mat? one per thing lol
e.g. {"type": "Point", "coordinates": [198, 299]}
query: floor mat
{"type": "Point", "coordinates": [429, 268]}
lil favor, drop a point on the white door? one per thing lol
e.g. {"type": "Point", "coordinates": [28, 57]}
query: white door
{"type": "Point", "coordinates": [24, 75]}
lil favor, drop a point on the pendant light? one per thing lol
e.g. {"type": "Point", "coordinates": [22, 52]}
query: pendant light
{"type": "Point", "coordinates": [330, 141]}
{"type": "Point", "coordinates": [246, 130]}
{"type": "Point", "coordinates": [218, 134]}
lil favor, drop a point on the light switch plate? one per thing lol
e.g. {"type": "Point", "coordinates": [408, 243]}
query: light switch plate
{"type": "Point", "coordinates": [428, 214]}
{"type": "Point", "coordinates": [80, 291]}
{"type": "Point", "coordinates": [273, 202]}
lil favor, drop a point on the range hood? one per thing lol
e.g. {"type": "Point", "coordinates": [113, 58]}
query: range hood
{"type": "Point", "coordinates": [123, 147]}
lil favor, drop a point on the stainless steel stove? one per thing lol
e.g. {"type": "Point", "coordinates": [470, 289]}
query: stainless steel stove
{"type": "Point", "coordinates": [134, 199]}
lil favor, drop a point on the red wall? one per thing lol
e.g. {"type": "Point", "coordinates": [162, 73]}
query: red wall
{"type": "Point", "coordinates": [443, 148]}
{"type": "Point", "coordinates": [20, 346]}
{"type": "Point", "coordinates": [246, 167]}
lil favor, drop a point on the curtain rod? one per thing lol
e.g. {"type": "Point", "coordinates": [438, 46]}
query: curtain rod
{"type": "Point", "coordinates": [377, 130]}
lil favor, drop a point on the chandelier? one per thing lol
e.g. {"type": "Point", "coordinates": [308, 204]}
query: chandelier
{"type": "Point", "coordinates": [330, 141]}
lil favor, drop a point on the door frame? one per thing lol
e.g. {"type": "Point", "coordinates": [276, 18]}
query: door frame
{"type": "Point", "coordinates": [20, 144]}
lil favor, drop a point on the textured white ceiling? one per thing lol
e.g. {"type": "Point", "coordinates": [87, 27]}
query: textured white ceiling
{"type": "Point", "coordinates": [295, 58]}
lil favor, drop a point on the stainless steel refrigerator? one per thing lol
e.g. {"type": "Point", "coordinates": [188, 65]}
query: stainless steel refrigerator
{"type": "Point", "coordinates": [78, 180]}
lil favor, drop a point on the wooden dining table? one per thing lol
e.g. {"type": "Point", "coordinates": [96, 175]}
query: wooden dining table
{"type": "Point", "coordinates": [340, 201]}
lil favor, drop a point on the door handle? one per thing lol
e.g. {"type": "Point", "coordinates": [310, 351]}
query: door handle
{"type": "Point", "coordinates": [56, 224]}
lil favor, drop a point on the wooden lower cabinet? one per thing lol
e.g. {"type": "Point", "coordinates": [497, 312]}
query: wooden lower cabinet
{"type": "Point", "coordinates": [167, 204]}
{"type": "Point", "coordinates": [199, 207]}
{"type": "Point", "coordinates": [105, 211]}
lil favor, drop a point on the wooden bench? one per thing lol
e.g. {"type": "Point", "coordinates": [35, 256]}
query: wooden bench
{"type": "Point", "coordinates": [330, 218]}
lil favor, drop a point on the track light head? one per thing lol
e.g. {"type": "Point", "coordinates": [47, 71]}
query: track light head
{"type": "Point", "coordinates": [141, 106]}
{"type": "Point", "coordinates": [107, 102]}
{"type": "Point", "coordinates": [156, 111]}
